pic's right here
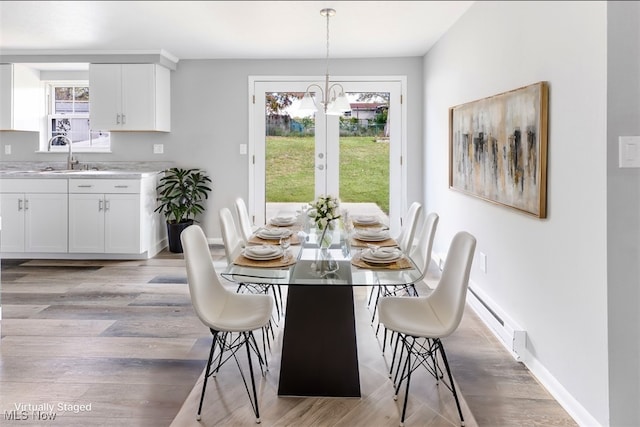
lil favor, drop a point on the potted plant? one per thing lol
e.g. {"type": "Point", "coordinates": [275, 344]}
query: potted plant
{"type": "Point", "coordinates": [181, 193]}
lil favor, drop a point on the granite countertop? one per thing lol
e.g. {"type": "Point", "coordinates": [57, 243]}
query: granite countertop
{"type": "Point", "coordinates": [112, 170]}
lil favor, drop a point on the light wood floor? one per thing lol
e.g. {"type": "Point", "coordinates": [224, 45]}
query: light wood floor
{"type": "Point", "coordinates": [121, 336]}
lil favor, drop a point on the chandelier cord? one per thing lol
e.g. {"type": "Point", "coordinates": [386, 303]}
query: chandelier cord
{"type": "Point", "coordinates": [326, 84]}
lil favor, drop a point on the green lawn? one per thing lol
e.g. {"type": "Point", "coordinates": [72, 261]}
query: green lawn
{"type": "Point", "coordinates": [364, 170]}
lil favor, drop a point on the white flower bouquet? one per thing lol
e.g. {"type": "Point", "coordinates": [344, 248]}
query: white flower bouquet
{"type": "Point", "coordinates": [324, 210]}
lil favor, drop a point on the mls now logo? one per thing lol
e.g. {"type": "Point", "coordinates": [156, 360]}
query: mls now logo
{"type": "Point", "coordinates": [15, 415]}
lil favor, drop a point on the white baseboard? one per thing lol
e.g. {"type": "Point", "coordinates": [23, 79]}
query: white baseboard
{"type": "Point", "coordinates": [510, 335]}
{"type": "Point", "coordinates": [215, 241]}
{"type": "Point", "coordinates": [513, 338]}
{"type": "Point", "coordinates": [578, 412]}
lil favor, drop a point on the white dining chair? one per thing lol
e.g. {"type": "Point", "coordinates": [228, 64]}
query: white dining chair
{"type": "Point", "coordinates": [408, 230]}
{"type": "Point", "coordinates": [421, 251]}
{"type": "Point", "coordinates": [422, 322]}
{"type": "Point", "coordinates": [245, 225]}
{"type": "Point", "coordinates": [233, 245]}
{"type": "Point", "coordinates": [232, 318]}
{"type": "Point", "coordinates": [405, 243]}
{"type": "Point", "coordinates": [421, 257]}
{"type": "Point", "coordinates": [231, 239]}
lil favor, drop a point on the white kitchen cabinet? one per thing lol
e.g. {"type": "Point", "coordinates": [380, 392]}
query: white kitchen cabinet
{"type": "Point", "coordinates": [34, 216]}
{"type": "Point", "coordinates": [105, 216]}
{"type": "Point", "coordinates": [22, 99]}
{"type": "Point", "coordinates": [130, 97]}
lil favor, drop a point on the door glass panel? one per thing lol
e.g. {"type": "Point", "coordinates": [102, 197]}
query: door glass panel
{"type": "Point", "coordinates": [289, 152]}
{"type": "Point", "coordinates": [364, 151]}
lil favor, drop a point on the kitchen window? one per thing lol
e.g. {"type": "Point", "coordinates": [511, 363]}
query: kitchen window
{"type": "Point", "coordinates": [68, 115]}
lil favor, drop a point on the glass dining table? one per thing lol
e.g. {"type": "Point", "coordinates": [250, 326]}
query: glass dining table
{"type": "Point", "coordinates": [319, 351]}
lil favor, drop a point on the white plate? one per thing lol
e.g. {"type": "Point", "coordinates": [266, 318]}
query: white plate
{"type": "Point", "coordinates": [262, 253]}
{"type": "Point", "coordinates": [365, 219]}
{"type": "Point", "coordinates": [283, 221]}
{"type": "Point", "coordinates": [384, 253]}
{"type": "Point", "coordinates": [371, 236]}
{"type": "Point", "coordinates": [272, 233]}
{"type": "Point", "coordinates": [367, 256]}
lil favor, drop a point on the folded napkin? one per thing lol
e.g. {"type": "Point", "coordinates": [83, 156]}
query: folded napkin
{"type": "Point", "coordinates": [384, 253]}
{"type": "Point", "coordinates": [371, 234]}
{"type": "Point", "coordinates": [283, 219]}
{"type": "Point", "coordinates": [365, 219]}
{"type": "Point", "coordinates": [273, 233]}
{"type": "Point", "coordinates": [261, 251]}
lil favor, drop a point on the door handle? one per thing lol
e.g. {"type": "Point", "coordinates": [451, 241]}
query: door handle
{"type": "Point", "coordinates": [19, 204]}
{"type": "Point", "coordinates": [320, 167]}
{"type": "Point", "coordinates": [99, 205]}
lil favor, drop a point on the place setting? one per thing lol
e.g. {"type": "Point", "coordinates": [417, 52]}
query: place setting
{"type": "Point", "coordinates": [381, 257]}
{"type": "Point", "coordinates": [267, 255]}
{"type": "Point", "coordinates": [365, 221]}
{"type": "Point", "coordinates": [272, 236]}
{"type": "Point", "coordinates": [379, 236]}
{"type": "Point", "coordinates": [283, 221]}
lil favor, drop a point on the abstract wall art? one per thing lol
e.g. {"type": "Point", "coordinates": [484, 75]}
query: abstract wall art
{"type": "Point", "coordinates": [498, 148]}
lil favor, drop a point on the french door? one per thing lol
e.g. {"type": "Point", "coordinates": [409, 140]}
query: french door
{"type": "Point", "coordinates": [326, 162]}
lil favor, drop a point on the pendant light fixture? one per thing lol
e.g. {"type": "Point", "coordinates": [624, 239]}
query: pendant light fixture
{"type": "Point", "coordinates": [334, 101]}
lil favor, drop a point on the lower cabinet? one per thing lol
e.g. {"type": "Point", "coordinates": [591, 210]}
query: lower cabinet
{"type": "Point", "coordinates": [80, 218]}
{"type": "Point", "coordinates": [105, 216]}
{"type": "Point", "coordinates": [34, 216]}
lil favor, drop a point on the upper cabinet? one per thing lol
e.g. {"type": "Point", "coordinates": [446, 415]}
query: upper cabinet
{"type": "Point", "coordinates": [130, 97]}
{"type": "Point", "coordinates": [22, 100]}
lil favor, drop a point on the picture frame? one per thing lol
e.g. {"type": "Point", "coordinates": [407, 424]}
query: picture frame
{"type": "Point", "coordinates": [498, 148]}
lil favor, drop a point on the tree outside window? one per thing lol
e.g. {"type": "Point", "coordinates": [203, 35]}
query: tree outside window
{"type": "Point", "coordinates": [68, 108]}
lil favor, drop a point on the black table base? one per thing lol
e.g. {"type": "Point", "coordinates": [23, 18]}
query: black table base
{"type": "Point", "coordinates": [319, 353]}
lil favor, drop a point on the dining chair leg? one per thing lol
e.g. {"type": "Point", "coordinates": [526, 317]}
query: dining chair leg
{"type": "Point", "coordinates": [282, 304]}
{"type": "Point", "coordinates": [373, 289]}
{"type": "Point", "coordinates": [395, 353]}
{"type": "Point", "coordinates": [375, 304]}
{"type": "Point", "coordinates": [278, 302]}
{"type": "Point", "coordinates": [254, 402]}
{"type": "Point", "coordinates": [222, 338]}
{"type": "Point", "coordinates": [384, 340]}
{"type": "Point", "coordinates": [262, 359]}
{"type": "Point", "coordinates": [453, 387]}
{"type": "Point", "coordinates": [406, 392]}
{"type": "Point", "coordinates": [206, 372]}
{"type": "Point", "coordinates": [403, 346]}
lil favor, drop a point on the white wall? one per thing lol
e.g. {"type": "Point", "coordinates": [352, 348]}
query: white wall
{"type": "Point", "coordinates": [549, 275]}
{"type": "Point", "coordinates": [209, 120]}
{"type": "Point", "coordinates": [623, 193]}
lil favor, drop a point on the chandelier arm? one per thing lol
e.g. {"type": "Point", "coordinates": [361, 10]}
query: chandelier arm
{"type": "Point", "coordinates": [316, 85]}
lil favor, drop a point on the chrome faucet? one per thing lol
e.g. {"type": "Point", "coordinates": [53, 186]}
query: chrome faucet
{"type": "Point", "coordinates": [70, 160]}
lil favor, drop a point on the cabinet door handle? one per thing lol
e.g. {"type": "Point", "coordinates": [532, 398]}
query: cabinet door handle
{"type": "Point", "coordinates": [117, 119]}
{"type": "Point", "coordinates": [19, 204]}
{"type": "Point", "coordinates": [26, 204]}
{"type": "Point", "coordinates": [121, 186]}
{"type": "Point", "coordinates": [124, 119]}
{"type": "Point", "coordinates": [85, 186]}
{"type": "Point", "coordinates": [106, 205]}
{"type": "Point", "coordinates": [99, 205]}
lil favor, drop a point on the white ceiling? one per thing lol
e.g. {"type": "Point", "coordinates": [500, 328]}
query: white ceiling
{"type": "Point", "coordinates": [226, 29]}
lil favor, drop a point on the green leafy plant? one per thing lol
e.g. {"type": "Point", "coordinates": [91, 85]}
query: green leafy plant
{"type": "Point", "coordinates": [181, 193]}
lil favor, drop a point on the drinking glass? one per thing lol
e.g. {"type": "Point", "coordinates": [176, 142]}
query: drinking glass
{"type": "Point", "coordinates": [285, 242]}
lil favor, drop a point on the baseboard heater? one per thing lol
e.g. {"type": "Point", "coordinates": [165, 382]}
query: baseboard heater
{"type": "Point", "coordinates": [512, 337]}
